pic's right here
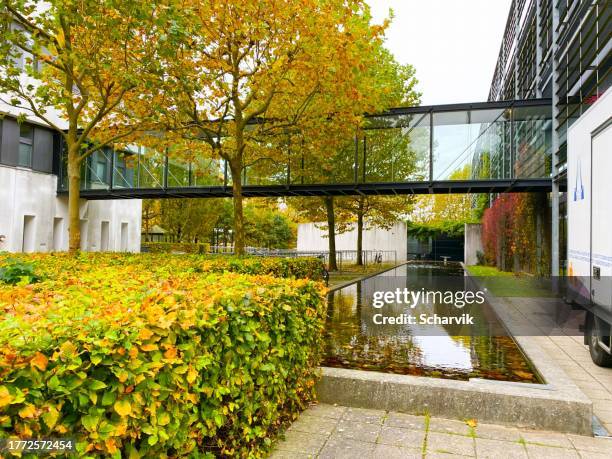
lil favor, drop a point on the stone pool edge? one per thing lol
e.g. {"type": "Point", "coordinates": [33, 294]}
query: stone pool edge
{"type": "Point", "coordinates": [367, 276]}
{"type": "Point", "coordinates": [558, 405]}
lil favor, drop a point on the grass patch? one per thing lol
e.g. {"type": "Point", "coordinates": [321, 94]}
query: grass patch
{"type": "Point", "coordinates": [507, 284]}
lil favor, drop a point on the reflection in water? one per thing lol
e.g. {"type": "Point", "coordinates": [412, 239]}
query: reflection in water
{"type": "Point", "coordinates": [481, 350]}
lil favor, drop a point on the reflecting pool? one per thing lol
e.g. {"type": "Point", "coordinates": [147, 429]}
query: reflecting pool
{"type": "Point", "coordinates": [356, 338]}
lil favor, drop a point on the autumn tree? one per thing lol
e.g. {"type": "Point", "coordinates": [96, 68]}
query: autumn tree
{"type": "Point", "coordinates": [81, 67]}
{"type": "Point", "coordinates": [250, 70]}
{"type": "Point", "coordinates": [376, 151]}
{"type": "Point", "coordinates": [189, 220]}
{"type": "Point", "coordinates": [197, 220]}
{"type": "Point", "coordinates": [387, 153]}
{"type": "Point", "coordinates": [150, 215]}
{"type": "Point", "coordinates": [440, 209]}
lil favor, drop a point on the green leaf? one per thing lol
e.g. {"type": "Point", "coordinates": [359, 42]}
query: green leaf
{"type": "Point", "coordinates": [96, 385]}
{"type": "Point", "coordinates": [109, 398]}
{"type": "Point", "coordinates": [90, 422]}
{"type": "Point", "coordinates": [51, 417]}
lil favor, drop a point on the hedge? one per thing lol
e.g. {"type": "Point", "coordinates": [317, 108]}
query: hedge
{"type": "Point", "coordinates": [310, 268]}
{"type": "Point", "coordinates": [175, 247]}
{"type": "Point", "coordinates": [156, 363]}
{"type": "Point", "coordinates": [48, 265]}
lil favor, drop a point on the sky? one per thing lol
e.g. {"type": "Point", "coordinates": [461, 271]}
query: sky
{"type": "Point", "coordinates": [453, 44]}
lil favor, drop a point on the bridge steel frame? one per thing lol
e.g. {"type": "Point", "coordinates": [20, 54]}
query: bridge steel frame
{"type": "Point", "coordinates": [333, 189]}
{"type": "Point", "coordinates": [359, 186]}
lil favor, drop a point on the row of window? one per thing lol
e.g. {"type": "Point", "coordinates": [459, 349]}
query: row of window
{"type": "Point", "coordinates": [29, 240]}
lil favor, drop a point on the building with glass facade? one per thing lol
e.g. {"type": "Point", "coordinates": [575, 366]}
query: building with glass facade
{"type": "Point", "coordinates": [557, 49]}
{"type": "Point", "coordinates": [33, 217]}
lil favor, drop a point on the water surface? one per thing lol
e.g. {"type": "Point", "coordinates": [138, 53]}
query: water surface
{"type": "Point", "coordinates": [482, 350]}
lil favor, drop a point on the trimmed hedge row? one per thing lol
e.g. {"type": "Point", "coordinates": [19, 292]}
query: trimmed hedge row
{"type": "Point", "coordinates": [136, 362]}
{"type": "Point", "coordinates": [170, 247]}
{"type": "Point", "coordinates": [48, 265]}
{"type": "Point", "coordinates": [301, 268]}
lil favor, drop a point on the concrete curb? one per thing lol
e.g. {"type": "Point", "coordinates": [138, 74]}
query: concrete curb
{"type": "Point", "coordinates": [367, 276]}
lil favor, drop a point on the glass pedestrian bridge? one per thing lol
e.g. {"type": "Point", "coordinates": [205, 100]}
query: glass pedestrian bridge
{"type": "Point", "coordinates": [479, 148]}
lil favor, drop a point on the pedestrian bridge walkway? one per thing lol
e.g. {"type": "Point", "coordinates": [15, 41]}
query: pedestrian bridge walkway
{"type": "Point", "coordinates": [461, 148]}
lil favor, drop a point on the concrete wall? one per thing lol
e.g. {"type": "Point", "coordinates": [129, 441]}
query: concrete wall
{"type": "Point", "coordinates": [473, 243]}
{"type": "Point", "coordinates": [25, 194]}
{"type": "Point", "coordinates": [313, 236]}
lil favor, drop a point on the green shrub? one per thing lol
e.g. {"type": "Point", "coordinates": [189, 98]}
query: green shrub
{"type": "Point", "coordinates": [300, 268]}
{"type": "Point", "coordinates": [175, 247]}
{"type": "Point", "coordinates": [156, 363]}
{"type": "Point", "coordinates": [165, 264]}
{"type": "Point", "coordinates": [17, 271]}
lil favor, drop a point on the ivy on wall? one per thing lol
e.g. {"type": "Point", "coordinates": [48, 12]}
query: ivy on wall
{"type": "Point", "coordinates": [515, 233]}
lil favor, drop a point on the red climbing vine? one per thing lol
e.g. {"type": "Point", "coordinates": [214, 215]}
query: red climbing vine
{"type": "Point", "coordinates": [514, 233]}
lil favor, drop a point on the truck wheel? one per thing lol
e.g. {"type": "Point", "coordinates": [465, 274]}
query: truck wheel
{"type": "Point", "coordinates": [593, 333]}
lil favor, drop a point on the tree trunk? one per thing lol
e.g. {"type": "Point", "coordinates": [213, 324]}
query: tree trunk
{"type": "Point", "coordinates": [74, 193]}
{"type": "Point", "coordinates": [360, 233]}
{"type": "Point", "coordinates": [331, 232]}
{"type": "Point", "coordinates": [236, 170]}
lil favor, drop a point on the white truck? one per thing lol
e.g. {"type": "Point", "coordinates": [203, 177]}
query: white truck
{"type": "Point", "coordinates": [589, 212]}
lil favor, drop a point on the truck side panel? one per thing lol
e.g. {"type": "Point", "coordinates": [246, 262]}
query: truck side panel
{"type": "Point", "coordinates": [589, 208]}
{"type": "Point", "coordinates": [601, 217]}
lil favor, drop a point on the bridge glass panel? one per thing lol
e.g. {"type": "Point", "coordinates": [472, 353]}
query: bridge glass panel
{"type": "Point", "coordinates": [151, 165]}
{"type": "Point", "coordinates": [491, 151]}
{"type": "Point", "coordinates": [206, 172]}
{"type": "Point", "coordinates": [396, 148]}
{"type": "Point", "coordinates": [533, 142]}
{"type": "Point", "coordinates": [326, 163]}
{"type": "Point", "coordinates": [266, 171]}
{"type": "Point", "coordinates": [124, 169]}
{"type": "Point", "coordinates": [96, 170]}
{"type": "Point", "coordinates": [178, 172]}
{"type": "Point", "coordinates": [471, 144]}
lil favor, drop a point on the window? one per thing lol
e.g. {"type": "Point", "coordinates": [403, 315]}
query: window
{"type": "Point", "coordinates": [84, 226]}
{"type": "Point", "coordinates": [58, 234]}
{"type": "Point", "coordinates": [124, 237]}
{"type": "Point", "coordinates": [26, 140]}
{"type": "Point", "coordinates": [29, 234]}
{"type": "Point", "coordinates": [104, 237]}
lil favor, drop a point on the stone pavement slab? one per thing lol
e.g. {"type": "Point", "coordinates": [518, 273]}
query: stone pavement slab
{"type": "Point", "coordinates": [450, 444]}
{"type": "Point", "coordinates": [326, 431]}
{"type": "Point", "coordinates": [487, 448]}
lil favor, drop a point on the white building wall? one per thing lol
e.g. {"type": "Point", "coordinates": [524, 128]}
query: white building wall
{"type": "Point", "coordinates": [27, 193]}
{"type": "Point", "coordinates": [473, 243]}
{"type": "Point", "coordinates": [313, 236]}
{"type": "Point", "coordinates": [24, 192]}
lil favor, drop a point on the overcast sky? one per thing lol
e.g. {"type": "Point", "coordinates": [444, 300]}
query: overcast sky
{"type": "Point", "coordinates": [453, 44]}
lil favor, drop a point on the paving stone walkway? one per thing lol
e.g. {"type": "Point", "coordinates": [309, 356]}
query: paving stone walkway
{"type": "Point", "coordinates": [567, 349]}
{"type": "Point", "coordinates": [327, 431]}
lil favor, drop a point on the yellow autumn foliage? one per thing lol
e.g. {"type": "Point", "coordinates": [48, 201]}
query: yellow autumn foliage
{"type": "Point", "coordinates": [158, 355]}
